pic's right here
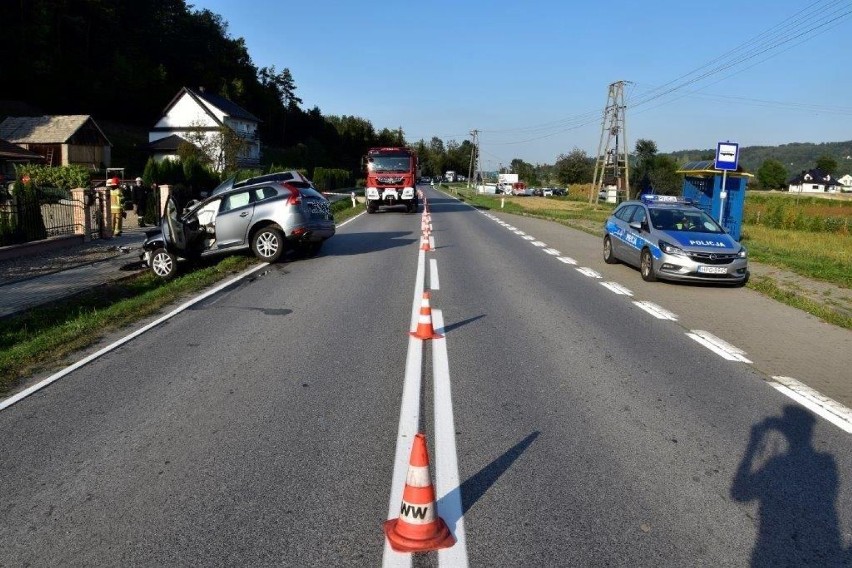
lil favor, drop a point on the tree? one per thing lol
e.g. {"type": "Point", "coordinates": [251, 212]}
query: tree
{"type": "Point", "coordinates": [574, 167]}
{"type": "Point", "coordinates": [664, 177]}
{"type": "Point", "coordinates": [827, 164]}
{"type": "Point", "coordinates": [771, 175]}
{"type": "Point", "coordinates": [525, 171]}
{"type": "Point", "coordinates": [646, 153]}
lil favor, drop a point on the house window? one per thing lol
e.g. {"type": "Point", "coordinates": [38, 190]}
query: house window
{"type": "Point", "coordinates": [815, 187]}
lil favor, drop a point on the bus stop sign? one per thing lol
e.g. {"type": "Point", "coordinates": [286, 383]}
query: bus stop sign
{"type": "Point", "coordinates": [727, 156]}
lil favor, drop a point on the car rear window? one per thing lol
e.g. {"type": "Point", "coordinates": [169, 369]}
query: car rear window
{"type": "Point", "coordinates": [306, 189]}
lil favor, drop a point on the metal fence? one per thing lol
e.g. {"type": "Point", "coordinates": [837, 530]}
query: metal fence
{"type": "Point", "coordinates": [47, 213]}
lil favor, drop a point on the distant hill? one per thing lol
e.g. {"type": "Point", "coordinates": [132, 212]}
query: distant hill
{"type": "Point", "coordinates": [796, 156]}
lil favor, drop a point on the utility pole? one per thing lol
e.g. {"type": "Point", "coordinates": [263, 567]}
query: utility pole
{"type": "Point", "coordinates": [611, 163]}
{"type": "Point", "coordinates": [475, 142]}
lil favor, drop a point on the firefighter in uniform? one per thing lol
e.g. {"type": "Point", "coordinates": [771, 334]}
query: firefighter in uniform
{"type": "Point", "coordinates": [116, 205]}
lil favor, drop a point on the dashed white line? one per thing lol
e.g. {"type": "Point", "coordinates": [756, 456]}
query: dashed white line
{"type": "Point", "coordinates": [521, 233]}
{"type": "Point", "coordinates": [434, 283]}
{"type": "Point", "coordinates": [718, 346]}
{"type": "Point", "coordinates": [815, 401]}
{"type": "Point", "coordinates": [589, 272]}
{"type": "Point", "coordinates": [552, 251]}
{"type": "Point", "coordinates": [539, 244]}
{"type": "Point", "coordinates": [528, 237]}
{"type": "Point", "coordinates": [656, 311]}
{"type": "Point", "coordinates": [567, 260]}
{"type": "Point", "coordinates": [617, 288]}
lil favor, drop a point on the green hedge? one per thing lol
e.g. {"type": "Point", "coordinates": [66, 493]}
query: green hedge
{"type": "Point", "coordinates": [329, 179]}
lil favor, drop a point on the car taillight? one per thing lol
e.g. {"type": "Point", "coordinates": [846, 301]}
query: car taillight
{"type": "Point", "coordinates": [295, 197]}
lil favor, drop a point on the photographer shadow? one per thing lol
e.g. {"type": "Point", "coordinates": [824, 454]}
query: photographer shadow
{"type": "Point", "coordinates": [796, 488]}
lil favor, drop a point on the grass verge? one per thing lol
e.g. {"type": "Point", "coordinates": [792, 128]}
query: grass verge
{"type": "Point", "coordinates": [44, 337]}
{"type": "Point", "coordinates": [769, 287]}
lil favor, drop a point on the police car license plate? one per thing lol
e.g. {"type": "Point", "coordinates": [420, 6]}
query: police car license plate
{"type": "Point", "coordinates": [713, 269]}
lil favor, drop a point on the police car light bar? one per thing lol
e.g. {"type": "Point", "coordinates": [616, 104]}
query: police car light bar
{"type": "Point", "coordinates": [650, 198]}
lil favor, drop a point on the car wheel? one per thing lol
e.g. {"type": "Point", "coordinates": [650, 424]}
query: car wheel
{"type": "Point", "coordinates": [371, 209]}
{"type": "Point", "coordinates": [268, 244]}
{"type": "Point", "coordinates": [164, 264]}
{"type": "Point", "coordinates": [646, 267]}
{"type": "Point", "coordinates": [609, 258]}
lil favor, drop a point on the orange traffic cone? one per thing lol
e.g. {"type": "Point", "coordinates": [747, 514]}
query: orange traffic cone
{"type": "Point", "coordinates": [424, 324]}
{"type": "Point", "coordinates": [425, 245]}
{"type": "Point", "coordinates": [418, 528]}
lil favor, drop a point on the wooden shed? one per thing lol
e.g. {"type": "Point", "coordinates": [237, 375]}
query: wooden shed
{"type": "Point", "coordinates": [62, 139]}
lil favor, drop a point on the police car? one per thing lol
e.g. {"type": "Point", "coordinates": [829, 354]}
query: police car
{"type": "Point", "coordinates": [668, 238]}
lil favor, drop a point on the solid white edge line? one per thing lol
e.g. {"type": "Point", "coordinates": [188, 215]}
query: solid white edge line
{"type": "Point", "coordinates": [434, 282]}
{"type": "Point", "coordinates": [447, 484]}
{"type": "Point", "coordinates": [815, 401]}
{"type": "Point", "coordinates": [116, 344]}
{"type": "Point", "coordinates": [409, 417]}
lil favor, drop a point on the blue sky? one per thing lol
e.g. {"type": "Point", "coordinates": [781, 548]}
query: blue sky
{"type": "Point", "coordinates": [533, 76]}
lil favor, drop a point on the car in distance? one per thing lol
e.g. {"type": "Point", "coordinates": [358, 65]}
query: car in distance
{"type": "Point", "coordinates": [269, 218]}
{"type": "Point", "coordinates": [547, 192]}
{"type": "Point", "coordinates": [668, 238]}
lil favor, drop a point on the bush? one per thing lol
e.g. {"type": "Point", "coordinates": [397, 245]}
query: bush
{"type": "Point", "coordinates": [63, 177]}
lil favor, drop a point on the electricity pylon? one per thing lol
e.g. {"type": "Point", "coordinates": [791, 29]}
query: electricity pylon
{"type": "Point", "coordinates": [475, 142]}
{"type": "Point", "coordinates": [611, 165]}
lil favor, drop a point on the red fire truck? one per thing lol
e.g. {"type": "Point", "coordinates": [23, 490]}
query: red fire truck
{"type": "Point", "coordinates": [391, 178]}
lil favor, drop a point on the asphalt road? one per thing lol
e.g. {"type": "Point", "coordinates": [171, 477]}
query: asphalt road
{"type": "Point", "coordinates": [264, 426]}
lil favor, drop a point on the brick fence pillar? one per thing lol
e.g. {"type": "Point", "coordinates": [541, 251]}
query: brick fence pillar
{"type": "Point", "coordinates": [106, 214]}
{"type": "Point", "coordinates": [82, 214]}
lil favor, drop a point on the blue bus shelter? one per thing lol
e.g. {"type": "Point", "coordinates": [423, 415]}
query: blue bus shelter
{"type": "Point", "coordinates": [702, 184]}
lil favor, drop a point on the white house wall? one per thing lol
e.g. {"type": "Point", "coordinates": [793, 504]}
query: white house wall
{"type": "Point", "coordinates": [184, 113]}
{"type": "Point", "coordinates": [807, 187]}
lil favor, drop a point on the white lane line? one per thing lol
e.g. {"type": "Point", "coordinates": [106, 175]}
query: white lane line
{"type": "Point", "coordinates": [539, 244]}
{"type": "Point", "coordinates": [552, 251]}
{"type": "Point", "coordinates": [519, 233]}
{"type": "Point", "coordinates": [447, 484]}
{"type": "Point", "coordinates": [718, 346]}
{"type": "Point", "coordinates": [432, 243]}
{"type": "Point", "coordinates": [511, 227]}
{"type": "Point", "coordinates": [127, 338]}
{"type": "Point", "coordinates": [567, 260]}
{"type": "Point", "coordinates": [409, 417]}
{"type": "Point", "coordinates": [617, 288]}
{"type": "Point", "coordinates": [656, 311]}
{"type": "Point", "coordinates": [589, 272]}
{"type": "Point", "coordinates": [815, 401]}
{"type": "Point", "coordinates": [434, 283]}
{"type": "Point", "coordinates": [529, 237]}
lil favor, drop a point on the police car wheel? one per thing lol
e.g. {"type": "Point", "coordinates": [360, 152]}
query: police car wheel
{"type": "Point", "coordinates": [646, 267]}
{"type": "Point", "coordinates": [609, 258]}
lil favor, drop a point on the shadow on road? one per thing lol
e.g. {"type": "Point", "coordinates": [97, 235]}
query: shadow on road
{"type": "Point", "coordinates": [796, 489]}
{"type": "Point", "coordinates": [476, 485]}
{"type": "Point", "coordinates": [343, 244]}
{"type": "Point", "coordinates": [458, 324]}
